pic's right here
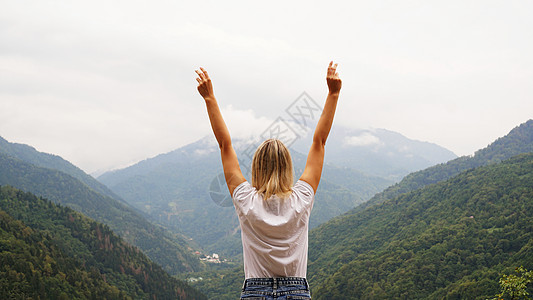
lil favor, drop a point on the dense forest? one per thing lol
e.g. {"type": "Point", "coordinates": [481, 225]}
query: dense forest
{"type": "Point", "coordinates": [53, 252]}
{"type": "Point", "coordinates": [168, 250]}
{"type": "Point", "coordinates": [448, 240]}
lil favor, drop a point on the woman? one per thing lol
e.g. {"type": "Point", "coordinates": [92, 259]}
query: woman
{"type": "Point", "coordinates": [273, 214]}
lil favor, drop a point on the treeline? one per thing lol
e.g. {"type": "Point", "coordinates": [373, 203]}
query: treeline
{"type": "Point", "coordinates": [451, 240]}
{"type": "Point", "coordinates": [53, 252]}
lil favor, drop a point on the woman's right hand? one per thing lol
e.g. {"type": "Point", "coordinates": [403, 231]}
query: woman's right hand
{"type": "Point", "coordinates": [333, 80]}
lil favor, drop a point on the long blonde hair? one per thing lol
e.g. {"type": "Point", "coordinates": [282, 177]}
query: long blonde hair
{"type": "Point", "coordinates": [272, 172]}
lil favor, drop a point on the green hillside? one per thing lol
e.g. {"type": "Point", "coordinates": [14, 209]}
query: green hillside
{"type": "Point", "coordinates": [448, 240]}
{"type": "Point", "coordinates": [517, 141]}
{"type": "Point", "coordinates": [168, 250]}
{"type": "Point", "coordinates": [53, 252]}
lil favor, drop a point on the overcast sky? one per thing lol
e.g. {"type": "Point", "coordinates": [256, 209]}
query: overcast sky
{"type": "Point", "coordinates": [108, 83]}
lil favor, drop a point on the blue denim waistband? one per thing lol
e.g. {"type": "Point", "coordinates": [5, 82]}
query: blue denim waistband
{"type": "Point", "coordinates": [276, 281]}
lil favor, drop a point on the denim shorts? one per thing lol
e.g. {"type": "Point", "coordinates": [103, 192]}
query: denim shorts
{"type": "Point", "coordinates": [279, 288]}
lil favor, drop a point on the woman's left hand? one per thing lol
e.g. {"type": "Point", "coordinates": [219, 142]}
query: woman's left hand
{"type": "Point", "coordinates": [204, 84]}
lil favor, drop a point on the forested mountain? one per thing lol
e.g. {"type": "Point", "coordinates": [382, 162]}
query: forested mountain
{"type": "Point", "coordinates": [517, 141]}
{"type": "Point", "coordinates": [176, 190]}
{"type": "Point", "coordinates": [30, 155]}
{"type": "Point", "coordinates": [53, 252]}
{"type": "Point", "coordinates": [168, 250]}
{"type": "Point", "coordinates": [447, 240]}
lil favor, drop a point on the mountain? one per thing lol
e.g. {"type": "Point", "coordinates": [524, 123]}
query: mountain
{"type": "Point", "coordinates": [185, 190]}
{"type": "Point", "coordinates": [30, 155]}
{"type": "Point", "coordinates": [378, 152]}
{"type": "Point", "coordinates": [53, 252]}
{"type": "Point", "coordinates": [169, 250]}
{"type": "Point", "coordinates": [517, 141]}
{"type": "Point", "coordinates": [449, 240]}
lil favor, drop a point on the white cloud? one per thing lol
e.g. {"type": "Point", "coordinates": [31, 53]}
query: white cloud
{"type": "Point", "coordinates": [244, 124]}
{"type": "Point", "coordinates": [362, 140]}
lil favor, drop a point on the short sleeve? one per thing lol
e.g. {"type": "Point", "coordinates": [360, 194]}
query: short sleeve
{"type": "Point", "coordinates": [241, 191]}
{"type": "Point", "coordinates": [304, 187]}
{"type": "Point", "coordinates": [242, 197]}
{"type": "Point", "coordinates": [237, 191]}
{"type": "Point", "coordinates": [304, 192]}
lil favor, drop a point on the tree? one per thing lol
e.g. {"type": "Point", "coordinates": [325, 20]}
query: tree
{"type": "Point", "coordinates": [515, 286]}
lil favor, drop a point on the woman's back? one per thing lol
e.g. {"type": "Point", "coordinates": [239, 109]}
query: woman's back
{"type": "Point", "coordinates": [274, 231]}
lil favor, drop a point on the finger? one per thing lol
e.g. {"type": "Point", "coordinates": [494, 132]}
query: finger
{"type": "Point", "coordinates": [202, 76]}
{"type": "Point", "coordinates": [331, 71]}
{"type": "Point", "coordinates": [205, 73]}
{"type": "Point", "coordinates": [199, 80]}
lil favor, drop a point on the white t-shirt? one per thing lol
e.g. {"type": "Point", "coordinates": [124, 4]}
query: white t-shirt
{"type": "Point", "coordinates": [274, 231]}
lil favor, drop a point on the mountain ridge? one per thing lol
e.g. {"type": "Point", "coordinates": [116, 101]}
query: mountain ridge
{"type": "Point", "coordinates": [379, 152]}
{"type": "Point", "coordinates": [29, 154]}
{"type": "Point", "coordinates": [518, 140]}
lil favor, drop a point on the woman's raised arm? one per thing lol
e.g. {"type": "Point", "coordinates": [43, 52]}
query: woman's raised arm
{"type": "Point", "coordinates": [315, 158]}
{"type": "Point", "coordinates": [230, 163]}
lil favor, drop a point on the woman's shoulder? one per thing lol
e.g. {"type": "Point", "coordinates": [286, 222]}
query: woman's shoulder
{"type": "Point", "coordinates": [302, 186]}
{"type": "Point", "coordinates": [242, 190]}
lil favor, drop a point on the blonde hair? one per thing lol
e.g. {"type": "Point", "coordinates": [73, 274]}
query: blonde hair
{"type": "Point", "coordinates": [272, 172]}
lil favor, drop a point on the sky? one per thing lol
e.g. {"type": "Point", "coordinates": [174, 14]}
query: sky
{"type": "Point", "coordinates": [105, 84]}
